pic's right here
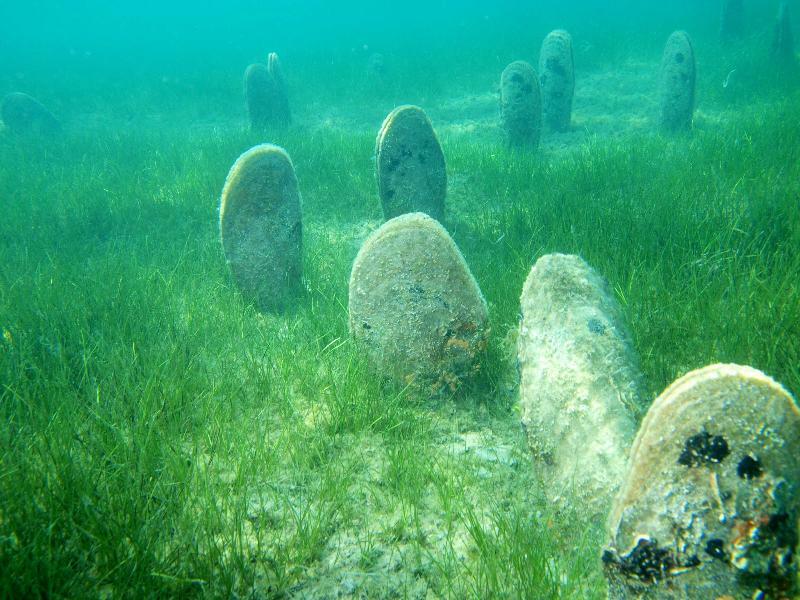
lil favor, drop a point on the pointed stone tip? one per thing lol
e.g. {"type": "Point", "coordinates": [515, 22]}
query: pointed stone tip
{"type": "Point", "coordinates": [556, 267]}
{"type": "Point", "coordinates": [560, 34]}
{"type": "Point", "coordinates": [246, 159]}
{"type": "Point", "coordinates": [398, 112]}
{"type": "Point", "coordinates": [264, 149]}
{"type": "Point", "coordinates": [414, 221]}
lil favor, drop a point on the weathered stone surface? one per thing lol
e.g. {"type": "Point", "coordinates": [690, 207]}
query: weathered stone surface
{"type": "Point", "coordinates": [24, 114]}
{"type": "Point", "coordinates": [783, 39]}
{"type": "Point", "coordinates": [263, 99]}
{"type": "Point", "coordinates": [261, 226]}
{"type": "Point", "coordinates": [557, 77]}
{"type": "Point", "coordinates": [579, 382]}
{"type": "Point", "coordinates": [410, 165]}
{"type": "Point", "coordinates": [520, 105]}
{"type": "Point", "coordinates": [283, 114]}
{"type": "Point", "coordinates": [732, 21]}
{"type": "Point", "coordinates": [678, 74]}
{"type": "Point", "coordinates": [710, 503]}
{"type": "Point", "coordinates": [415, 307]}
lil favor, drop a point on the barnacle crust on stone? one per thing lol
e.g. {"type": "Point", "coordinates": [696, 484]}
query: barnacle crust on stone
{"type": "Point", "coordinates": [710, 502]}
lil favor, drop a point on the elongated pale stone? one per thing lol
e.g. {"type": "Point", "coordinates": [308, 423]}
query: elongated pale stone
{"type": "Point", "coordinates": [678, 74]}
{"type": "Point", "coordinates": [282, 113]}
{"type": "Point", "coordinates": [579, 382]}
{"type": "Point", "coordinates": [410, 165]}
{"type": "Point", "coordinates": [261, 226]}
{"type": "Point", "coordinates": [710, 503]}
{"type": "Point", "coordinates": [415, 307]}
{"type": "Point", "coordinates": [783, 39]}
{"type": "Point", "coordinates": [24, 114]}
{"type": "Point", "coordinates": [520, 105]}
{"type": "Point", "coordinates": [557, 76]}
{"type": "Point", "coordinates": [276, 69]}
{"type": "Point", "coordinates": [732, 20]}
{"type": "Point", "coordinates": [262, 98]}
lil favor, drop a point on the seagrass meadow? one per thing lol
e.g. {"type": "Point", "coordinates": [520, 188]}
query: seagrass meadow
{"type": "Point", "coordinates": [161, 437]}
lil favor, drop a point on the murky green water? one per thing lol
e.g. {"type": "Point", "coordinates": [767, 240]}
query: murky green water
{"type": "Point", "coordinates": [162, 437]}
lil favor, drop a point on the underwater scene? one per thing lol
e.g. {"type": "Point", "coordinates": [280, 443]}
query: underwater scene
{"type": "Point", "coordinates": [423, 300]}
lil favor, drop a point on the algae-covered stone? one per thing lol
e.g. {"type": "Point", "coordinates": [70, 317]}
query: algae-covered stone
{"type": "Point", "coordinates": [259, 93]}
{"type": "Point", "coordinates": [415, 307]}
{"type": "Point", "coordinates": [579, 382]}
{"type": "Point", "coordinates": [410, 165]}
{"type": "Point", "coordinates": [263, 98]}
{"type": "Point", "coordinates": [557, 77]}
{"type": "Point", "coordinates": [783, 39]}
{"type": "Point", "coordinates": [732, 21]}
{"type": "Point", "coordinates": [710, 503]}
{"type": "Point", "coordinates": [678, 76]}
{"type": "Point", "coordinates": [261, 226]}
{"type": "Point", "coordinates": [22, 113]}
{"type": "Point", "coordinates": [521, 105]}
{"type": "Point", "coordinates": [283, 114]}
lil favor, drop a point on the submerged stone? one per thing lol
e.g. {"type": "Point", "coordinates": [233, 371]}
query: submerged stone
{"type": "Point", "coordinates": [376, 68]}
{"type": "Point", "coordinates": [261, 226]}
{"type": "Point", "coordinates": [415, 307]}
{"type": "Point", "coordinates": [709, 505]}
{"type": "Point", "coordinates": [22, 114]}
{"type": "Point", "coordinates": [557, 76]}
{"type": "Point", "coordinates": [678, 76]}
{"type": "Point", "coordinates": [579, 382]}
{"type": "Point", "coordinates": [732, 20]}
{"type": "Point", "coordinates": [283, 115]}
{"type": "Point", "coordinates": [263, 99]}
{"type": "Point", "coordinates": [783, 39]}
{"type": "Point", "coordinates": [520, 105]}
{"type": "Point", "coordinates": [410, 165]}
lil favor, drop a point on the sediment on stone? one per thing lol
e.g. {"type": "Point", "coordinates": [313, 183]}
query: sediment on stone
{"type": "Point", "coordinates": [415, 308]}
{"type": "Point", "coordinates": [678, 83]}
{"type": "Point", "coordinates": [520, 105]}
{"type": "Point", "coordinates": [580, 383]}
{"type": "Point", "coordinates": [283, 113]}
{"type": "Point", "coordinates": [557, 77]}
{"type": "Point", "coordinates": [783, 38]}
{"type": "Point", "coordinates": [261, 227]}
{"type": "Point", "coordinates": [710, 502]}
{"type": "Point", "coordinates": [732, 20]}
{"type": "Point", "coordinates": [23, 114]}
{"type": "Point", "coordinates": [409, 165]}
{"type": "Point", "coordinates": [266, 104]}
